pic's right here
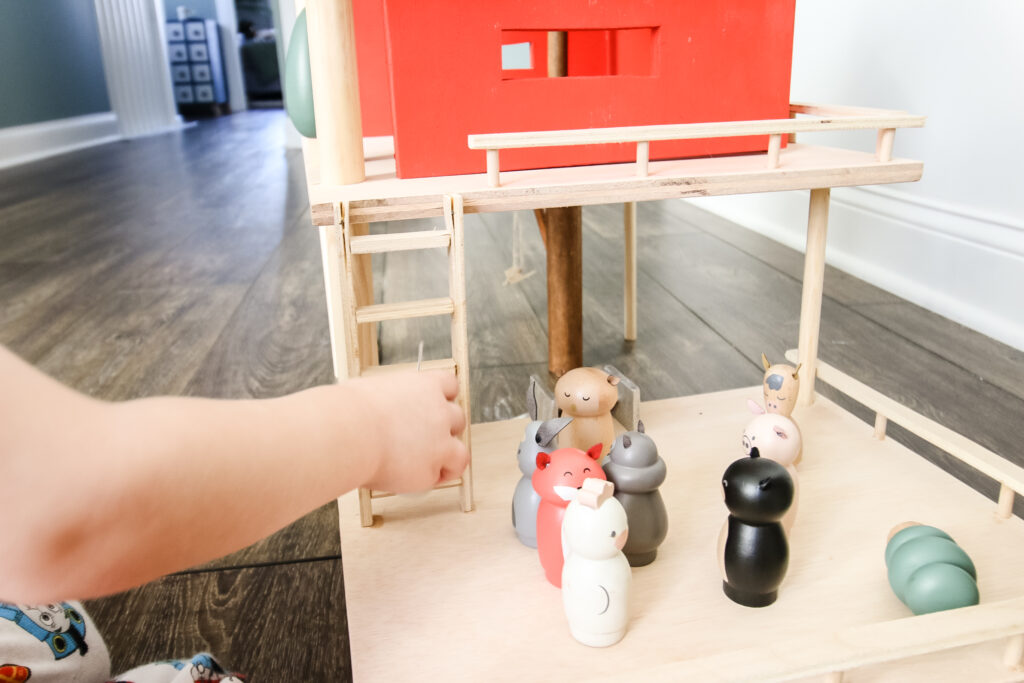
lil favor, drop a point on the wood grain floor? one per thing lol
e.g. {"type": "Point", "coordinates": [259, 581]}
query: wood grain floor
{"type": "Point", "coordinates": [186, 264]}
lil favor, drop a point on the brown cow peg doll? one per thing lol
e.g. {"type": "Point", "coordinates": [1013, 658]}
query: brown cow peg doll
{"type": "Point", "coordinates": [781, 385]}
{"type": "Point", "coordinates": [587, 395]}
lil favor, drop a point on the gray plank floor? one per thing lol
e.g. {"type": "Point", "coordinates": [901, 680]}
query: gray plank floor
{"type": "Point", "coordinates": [186, 264]}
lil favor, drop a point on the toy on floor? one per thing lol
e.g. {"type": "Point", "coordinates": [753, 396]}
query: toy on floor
{"type": "Point", "coordinates": [781, 385]}
{"type": "Point", "coordinates": [538, 437]}
{"type": "Point", "coordinates": [636, 470]}
{"type": "Point", "coordinates": [928, 571]}
{"type": "Point", "coordinates": [776, 437]}
{"type": "Point", "coordinates": [557, 479]}
{"type": "Point", "coordinates": [588, 395]}
{"type": "Point", "coordinates": [755, 554]}
{"type": "Point", "coordinates": [596, 577]}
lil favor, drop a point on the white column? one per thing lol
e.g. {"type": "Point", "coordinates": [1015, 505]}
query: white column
{"type": "Point", "coordinates": [227, 22]}
{"type": "Point", "coordinates": [136, 66]}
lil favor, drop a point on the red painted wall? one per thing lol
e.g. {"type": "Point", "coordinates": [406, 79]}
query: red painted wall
{"type": "Point", "coordinates": [372, 58]}
{"type": "Point", "coordinates": [709, 60]}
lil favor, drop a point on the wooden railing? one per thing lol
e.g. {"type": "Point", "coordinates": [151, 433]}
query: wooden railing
{"type": "Point", "coordinates": [816, 118]}
{"type": "Point", "coordinates": [1009, 475]}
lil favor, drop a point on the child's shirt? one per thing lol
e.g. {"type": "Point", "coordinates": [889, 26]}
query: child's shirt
{"type": "Point", "coordinates": [59, 642]}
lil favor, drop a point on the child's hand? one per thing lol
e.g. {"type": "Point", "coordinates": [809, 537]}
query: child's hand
{"type": "Point", "coordinates": [415, 425]}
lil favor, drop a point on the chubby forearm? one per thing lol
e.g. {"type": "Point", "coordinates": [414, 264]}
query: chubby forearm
{"type": "Point", "coordinates": [158, 485]}
{"type": "Point", "coordinates": [102, 496]}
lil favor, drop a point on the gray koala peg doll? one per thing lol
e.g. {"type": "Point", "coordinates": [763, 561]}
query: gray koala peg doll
{"type": "Point", "coordinates": [637, 471]}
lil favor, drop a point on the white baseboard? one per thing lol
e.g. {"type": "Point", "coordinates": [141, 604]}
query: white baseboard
{"type": "Point", "coordinates": [22, 144]}
{"type": "Point", "coordinates": [949, 259]}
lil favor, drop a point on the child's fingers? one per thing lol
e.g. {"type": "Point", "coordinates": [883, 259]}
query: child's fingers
{"type": "Point", "coordinates": [458, 419]}
{"type": "Point", "coordinates": [456, 463]}
{"type": "Point", "coordinates": [449, 384]}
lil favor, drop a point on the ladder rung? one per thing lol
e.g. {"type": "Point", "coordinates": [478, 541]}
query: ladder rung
{"type": "Point", "coordinates": [400, 241]}
{"type": "Point", "coordinates": [439, 364]}
{"type": "Point", "coordinates": [405, 309]}
{"type": "Point", "coordinates": [454, 483]}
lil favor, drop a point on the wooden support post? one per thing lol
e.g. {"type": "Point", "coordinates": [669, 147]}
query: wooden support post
{"type": "Point", "coordinates": [643, 155]}
{"type": "Point", "coordinates": [1014, 652]}
{"type": "Point", "coordinates": [774, 147]}
{"type": "Point", "coordinates": [814, 282]}
{"type": "Point", "coordinates": [493, 172]}
{"type": "Point", "coordinates": [883, 146]}
{"type": "Point", "coordinates": [332, 66]}
{"type": "Point", "coordinates": [558, 46]}
{"type": "Point", "coordinates": [629, 288]}
{"type": "Point", "coordinates": [365, 507]}
{"type": "Point", "coordinates": [331, 253]}
{"type": "Point", "coordinates": [880, 424]}
{"type": "Point", "coordinates": [460, 337]}
{"type": "Point", "coordinates": [565, 289]}
{"type": "Point", "coordinates": [791, 138]}
{"type": "Point", "coordinates": [1005, 508]}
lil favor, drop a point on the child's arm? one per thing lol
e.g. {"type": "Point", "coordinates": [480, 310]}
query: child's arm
{"type": "Point", "coordinates": [99, 497]}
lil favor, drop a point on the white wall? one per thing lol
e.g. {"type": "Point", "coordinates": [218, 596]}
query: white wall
{"type": "Point", "coordinates": [953, 242]}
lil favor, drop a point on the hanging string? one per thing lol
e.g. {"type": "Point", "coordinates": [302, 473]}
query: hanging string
{"type": "Point", "coordinates": [515, 273]}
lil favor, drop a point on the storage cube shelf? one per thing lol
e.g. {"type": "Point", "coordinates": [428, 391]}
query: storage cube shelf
{"type": "Point", "coordinates": [196, 69]}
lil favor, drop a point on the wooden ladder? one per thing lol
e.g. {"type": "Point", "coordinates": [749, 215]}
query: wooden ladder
{"type": "Point", "coordinates": [454, 305]}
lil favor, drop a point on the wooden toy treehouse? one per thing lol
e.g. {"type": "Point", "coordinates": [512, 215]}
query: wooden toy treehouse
{"type": "Point", "coordinates": [617, 101]}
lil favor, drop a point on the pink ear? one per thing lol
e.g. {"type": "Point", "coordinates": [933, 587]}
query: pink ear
{"type": "Point", "coordinates": [613, 380]}
{"type": "Point", "coordinates": [754, 408]}
{"type": "Point", "coordinates": [595, 451]}
{"type": "Point", "coordinates": [542, 460]}
{"type": "Point", "coordinates": [780, 432]}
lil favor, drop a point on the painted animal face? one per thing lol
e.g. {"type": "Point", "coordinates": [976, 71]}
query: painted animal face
{"type": "Point", "coordinates": [560, 474]}
{"type": "Point", "coordinates": [781, 385]}
{"type": "Point", "coordinates": [539, 436]}
{"type": "Point", "coordinates": [772, 436]}
{"type": "Point", "coordinates": [586, 392]}
{"type": "Point", "coordinates": [757, 490]}
{"type": "Point", "coordinates": [633, 463]}
{"type": "Point", "coordinates": [595, 532]}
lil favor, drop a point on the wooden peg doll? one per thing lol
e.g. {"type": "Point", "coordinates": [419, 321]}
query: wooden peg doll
{"type": "Point", "coordinates": [558, 478]}
{"type": "Point", "coordinates": [588, 396]}
{"type": "Point", "coordinates": [778, 438]}
{"type": "Point", "coordinates": [637, 471]}
{"type": "Point", "coordinates": [539, 437]}
{"type": "Point", "coordinates": [754, 552]}
{"type": "Point", "coordinates": [596, 577]}
{"type": "Point", "coordinates": [781, 385]}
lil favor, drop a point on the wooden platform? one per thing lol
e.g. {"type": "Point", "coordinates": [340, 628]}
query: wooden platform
{"type": "Point", "coordinates": [435, 594]}
{"type": "Point", "coordinates": [383, 196]}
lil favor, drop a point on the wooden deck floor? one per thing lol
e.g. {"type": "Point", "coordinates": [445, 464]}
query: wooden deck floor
{"type": "Point", "coordinates": [186, 264]}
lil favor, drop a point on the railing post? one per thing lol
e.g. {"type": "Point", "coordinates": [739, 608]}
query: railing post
{"type": "Point", "coordinates": [1014, 652]}
{"type": "Point", "coordinates": [774, 147]}
{"type": "Point", "coordinates": [643, 155]}
{"type": "Point", "coordinates": [880, 423]}
{"type": "Point", "coordinates": [1005, 508]}
{"type": "Point", "coordinates": [493, 175]}
{"type": "Point", "coordinates": [883, 146]}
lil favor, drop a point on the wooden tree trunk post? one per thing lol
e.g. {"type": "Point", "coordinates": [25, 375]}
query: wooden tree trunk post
{"type": "Point", "coordinates": [558, 44]}
{"type": "Point", "coordinates": [332, 67]}
{"type": "Point", "coordinates": [565, 289]}
{"type": "Point", "coordinates": [814, 281]}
